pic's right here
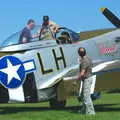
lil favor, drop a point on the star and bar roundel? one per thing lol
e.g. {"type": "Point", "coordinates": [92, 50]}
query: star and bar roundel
{"type": "Point", "coordinates": [13, 71]}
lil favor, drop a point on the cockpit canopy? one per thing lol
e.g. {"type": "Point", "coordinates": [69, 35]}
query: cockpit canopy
{"type": "Point", "coordinates": [64, 36]}
{"type": "Point", "coordinates": [14, 39]}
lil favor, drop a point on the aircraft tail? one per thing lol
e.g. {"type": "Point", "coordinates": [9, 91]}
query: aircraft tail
{"type": "Point", "coordinates": [111, 17]}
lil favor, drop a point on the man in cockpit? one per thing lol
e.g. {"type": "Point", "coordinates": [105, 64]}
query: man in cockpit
{"type": "Point", "coordinates": [48, 29]}
{"type": "Point", "coordinates": [65, 38]}
{"type": "Point", "coordinates": [26, 35]}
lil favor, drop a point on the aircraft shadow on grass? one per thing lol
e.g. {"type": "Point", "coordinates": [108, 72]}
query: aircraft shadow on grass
{"type": "Point", "coordinates": [72, 109]}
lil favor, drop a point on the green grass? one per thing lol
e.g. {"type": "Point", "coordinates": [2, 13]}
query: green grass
{"type": "Point", "coordinates": [107, 108]}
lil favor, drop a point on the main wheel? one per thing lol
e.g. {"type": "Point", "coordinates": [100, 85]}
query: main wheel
{"type": "Point", "coordinates": [57, 104]}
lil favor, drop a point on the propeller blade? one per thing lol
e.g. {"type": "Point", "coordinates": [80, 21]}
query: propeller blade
{"type": "Point", "coordinates": [111, 17]}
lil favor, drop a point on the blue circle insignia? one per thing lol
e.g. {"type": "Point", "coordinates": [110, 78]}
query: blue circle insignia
{"type": "Point", "coordinates": [12, 72]}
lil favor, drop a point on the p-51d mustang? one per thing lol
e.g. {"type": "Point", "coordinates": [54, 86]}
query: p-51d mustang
{"type": "Point", "coordinates": [39, 70]}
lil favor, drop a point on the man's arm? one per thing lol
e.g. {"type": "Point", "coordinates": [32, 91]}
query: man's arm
{"type": "Point", "coordinates": [82, 74]}
{"type": "Point", "coordinates": [84, 66]}
{"type": "Point", "coordinates": [35, 35]}
{"type": "Point", "coordinates": [24, 40]}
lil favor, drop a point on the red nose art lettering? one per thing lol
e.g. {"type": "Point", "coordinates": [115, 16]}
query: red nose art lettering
{"type": "Point", "coordinates": [105, 50]}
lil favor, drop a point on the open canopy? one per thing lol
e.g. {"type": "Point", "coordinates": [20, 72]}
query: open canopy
{"type": "Point", "coordinates": [14, 39]}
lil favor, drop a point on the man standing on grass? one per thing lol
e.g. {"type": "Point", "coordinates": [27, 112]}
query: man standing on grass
{"type": "Point", "coordinates": [86, 76]}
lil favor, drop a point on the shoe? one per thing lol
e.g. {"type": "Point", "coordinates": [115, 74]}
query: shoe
{"type": "Point", "coordinates": [95, 95]}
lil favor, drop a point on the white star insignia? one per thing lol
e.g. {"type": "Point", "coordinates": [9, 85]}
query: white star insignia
{"type": "Point", "coordinates": [11, 71]}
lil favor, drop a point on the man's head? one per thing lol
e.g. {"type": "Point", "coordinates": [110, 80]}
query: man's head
{"type": "Point", "coordinates": [65, 35]}
{"type": "Point", "coordinates": [82, 52]}
{"type": "Point", "coordinates": [31, 24]}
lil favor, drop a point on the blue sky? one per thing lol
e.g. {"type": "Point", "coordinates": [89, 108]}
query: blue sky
{"type": "Point", "coordinates": [79, 15]}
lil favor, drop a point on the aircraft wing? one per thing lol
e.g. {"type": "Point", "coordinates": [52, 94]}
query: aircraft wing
{"type": "Point", "coordinates": [55, 78]}
{"type": "Point", "coordinates": [71, 73]}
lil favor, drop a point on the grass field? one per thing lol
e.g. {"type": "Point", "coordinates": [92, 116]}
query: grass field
{"type": "Point", "coordinates": [107, 108]}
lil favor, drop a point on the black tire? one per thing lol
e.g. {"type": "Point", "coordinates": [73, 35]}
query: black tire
{"type": "Point", "coordinates": [57, 104]}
